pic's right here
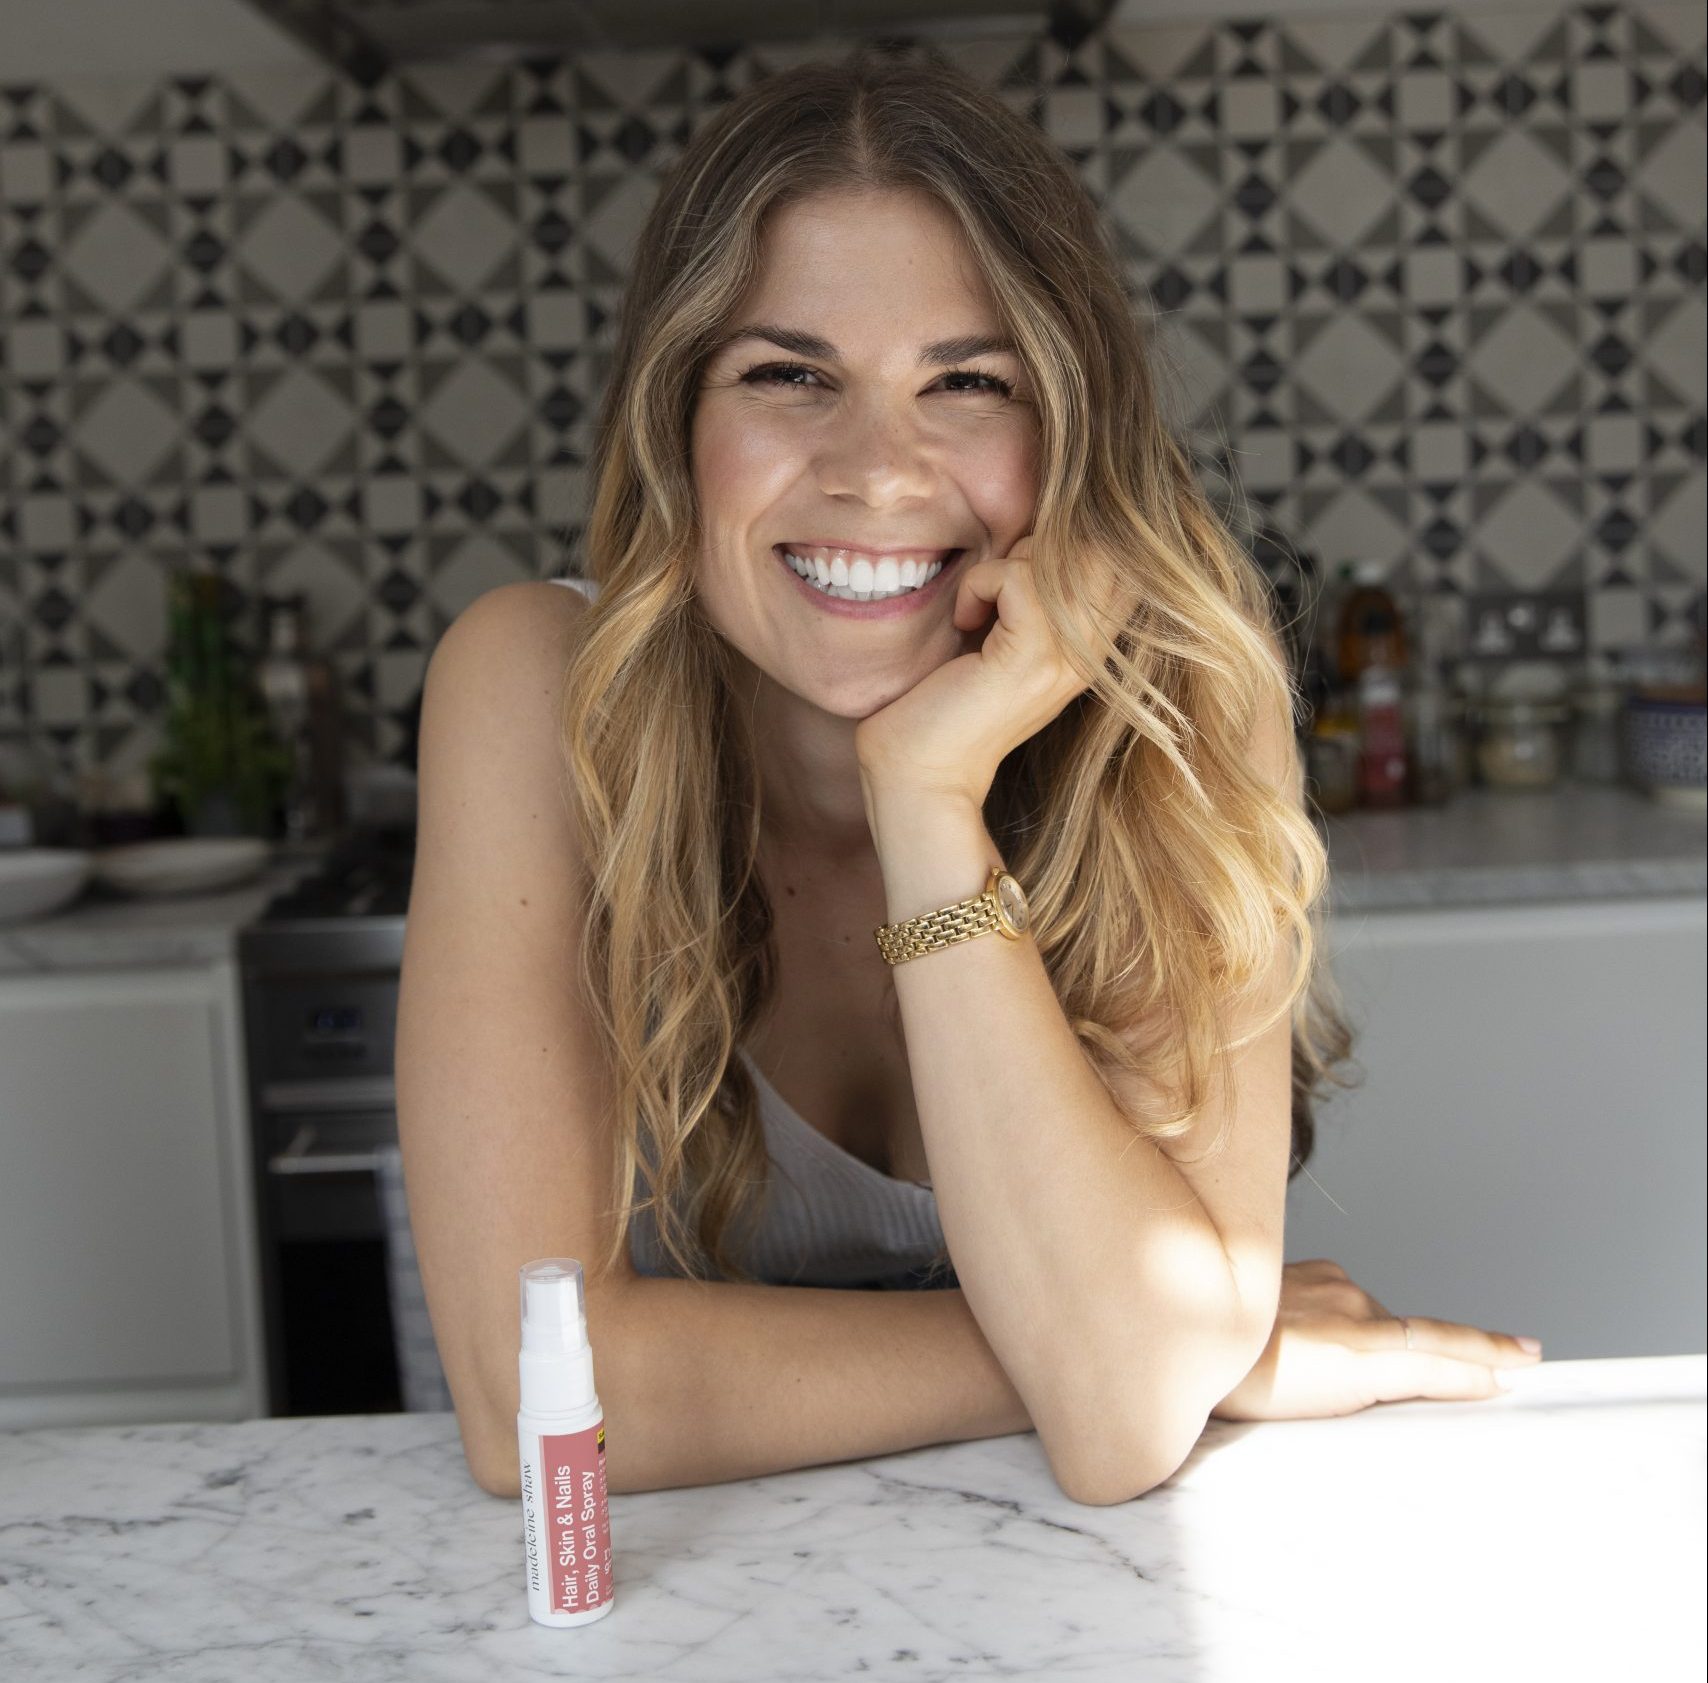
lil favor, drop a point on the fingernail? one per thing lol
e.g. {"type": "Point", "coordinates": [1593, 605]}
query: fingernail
{"type": "Point", "coordinates": [1533, 1345]}
{"type": "Point", "coordinates": [1503, 1378]}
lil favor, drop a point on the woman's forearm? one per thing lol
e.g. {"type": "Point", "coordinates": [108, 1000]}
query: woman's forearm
{"type": "Point", "coordinates": [1088, 1259]}
{"type": "Point", "coordinates": [707, 1381]}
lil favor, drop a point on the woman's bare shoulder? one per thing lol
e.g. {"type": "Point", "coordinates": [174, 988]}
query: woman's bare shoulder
{"type": "Point", "coordinates": [491, 705]}
{"type": "Point", "coordinates": [528, 611]}
{"type": "Point", "coordinates": [511, 640]}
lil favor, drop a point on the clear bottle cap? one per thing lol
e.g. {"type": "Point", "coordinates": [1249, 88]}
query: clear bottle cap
{"type": "Point", "coordinates": [554, 1306]}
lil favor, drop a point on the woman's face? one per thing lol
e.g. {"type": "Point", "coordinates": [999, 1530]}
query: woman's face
{"type": "Point", "coordinates": [844, 421]}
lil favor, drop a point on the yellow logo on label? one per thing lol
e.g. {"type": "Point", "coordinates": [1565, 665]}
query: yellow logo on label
{"type": "Point", "coordinates": [601, 1438]}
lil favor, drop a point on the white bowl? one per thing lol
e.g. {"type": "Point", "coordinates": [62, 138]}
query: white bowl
{"type": "Point", "coordinates": [181, 864]}
{"type": "Point", "coordinates": [38, 880]}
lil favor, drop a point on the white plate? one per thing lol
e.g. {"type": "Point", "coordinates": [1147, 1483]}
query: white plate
{"type": "Point", "coordinates": [181, 864]}
{"type": "Point", "coordinates": [38, 880]}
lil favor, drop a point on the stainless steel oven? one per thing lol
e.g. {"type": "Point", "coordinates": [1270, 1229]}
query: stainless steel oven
{"type": "Point", "coordinates": [320, 985]}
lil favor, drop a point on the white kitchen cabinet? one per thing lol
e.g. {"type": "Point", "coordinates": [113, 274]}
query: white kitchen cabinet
{"type": "Point", "coordinates": [126, 1210]}
{"type": "Point", "coordinates": [1526, 1150]}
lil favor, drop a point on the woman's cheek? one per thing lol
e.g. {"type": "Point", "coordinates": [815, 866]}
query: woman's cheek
{"type": "Point", "coordinates": [999, 479]}
{"type": "Point", "coordinates": [745, 456]}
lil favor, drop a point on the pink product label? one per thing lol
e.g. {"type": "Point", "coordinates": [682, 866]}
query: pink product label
{"type": "Point", "coordinates": [577, 1522]}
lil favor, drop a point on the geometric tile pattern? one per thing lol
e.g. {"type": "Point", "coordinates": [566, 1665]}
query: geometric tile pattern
{"type": "Point", "coordinates": [1425, 287]}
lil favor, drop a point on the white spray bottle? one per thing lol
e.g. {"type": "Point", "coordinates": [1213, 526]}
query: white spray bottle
{"type": "Point", "coordinates": [566, 1522]}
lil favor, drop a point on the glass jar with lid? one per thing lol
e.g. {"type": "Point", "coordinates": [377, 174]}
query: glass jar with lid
{"type": "Point", "coordinates": [1521, 740]}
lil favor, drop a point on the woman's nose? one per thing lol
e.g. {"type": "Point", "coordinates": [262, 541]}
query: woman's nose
{"type": "Point", "coordinates": [878, 456]}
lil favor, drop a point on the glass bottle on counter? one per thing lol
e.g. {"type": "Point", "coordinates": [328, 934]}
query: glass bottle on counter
{"type": "Point", "coordinates": [1596, 701]}
{"type": "Point", "coordinates": [1370, 629]}
{"type": "Point", "coordinates": [1382, 779]}
{"type": "Point", "coordinates": [1430, 732]}
{"type": "Point", "coordinates": [1435, 713]}
{"type": "Point", "coordinates": [1371, 656]}
{"type": "Point", "coordinates": [302, 696]}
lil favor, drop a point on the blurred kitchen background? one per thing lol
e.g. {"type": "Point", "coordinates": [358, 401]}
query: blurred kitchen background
{"type": "Point", "coordinates": [305, 311]}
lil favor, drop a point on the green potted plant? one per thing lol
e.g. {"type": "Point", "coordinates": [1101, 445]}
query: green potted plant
{"type": "Point", "coordinates": [221, 767]}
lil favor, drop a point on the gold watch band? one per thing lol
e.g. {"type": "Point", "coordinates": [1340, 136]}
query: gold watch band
{"type": "Point", "coordinates": [932, 931]}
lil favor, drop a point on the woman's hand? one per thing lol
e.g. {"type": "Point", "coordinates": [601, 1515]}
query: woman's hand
{"type": "Point", "coordinates": [1336, 1350]}
{"type": "Point", "coordinates": [949, 733]}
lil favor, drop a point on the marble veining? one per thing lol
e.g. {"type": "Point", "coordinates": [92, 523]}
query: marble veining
{"type": "Point", "coordinates": [1553, 1532]}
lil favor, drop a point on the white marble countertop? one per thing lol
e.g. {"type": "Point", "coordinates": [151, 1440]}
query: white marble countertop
{"type": "Point", "coordinates": [1557, 1532]}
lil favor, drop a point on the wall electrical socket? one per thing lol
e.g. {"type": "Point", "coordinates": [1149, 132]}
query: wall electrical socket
{"type": "Point", "coordinates": [1519, 625]}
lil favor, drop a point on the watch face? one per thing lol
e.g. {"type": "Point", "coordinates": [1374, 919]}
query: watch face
{"type": "Point", "coordinates": [1013, 898]}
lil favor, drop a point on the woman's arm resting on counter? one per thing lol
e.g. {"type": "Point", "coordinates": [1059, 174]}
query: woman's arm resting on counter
{"type": "Point", "coordinates": [1126, 1285]}
{"type": "Point", "coordinates": [707, 1381]}
{"type": "Point", "coordinates": [504, 1105]}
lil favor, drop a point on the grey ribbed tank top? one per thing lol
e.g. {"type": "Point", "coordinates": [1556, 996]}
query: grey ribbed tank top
{"type": "Point", "coordinates": [829, 1218]}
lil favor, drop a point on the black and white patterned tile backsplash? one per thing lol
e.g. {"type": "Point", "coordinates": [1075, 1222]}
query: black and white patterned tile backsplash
{"type": "Point", "coordinates": [1428, 287]}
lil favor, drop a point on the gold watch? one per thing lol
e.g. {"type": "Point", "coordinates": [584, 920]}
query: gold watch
{"type": "Point", "coordinates": [1001, 907]}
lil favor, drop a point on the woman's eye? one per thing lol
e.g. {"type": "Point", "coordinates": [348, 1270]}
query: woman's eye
{"type": "Point", "coordinates": [772, 374]}
{"type": "Point", "coordinates": [992, 382]}
{"type": "Point", "coordinates": [781, 374]}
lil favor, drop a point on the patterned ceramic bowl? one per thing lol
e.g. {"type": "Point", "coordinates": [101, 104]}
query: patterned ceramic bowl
{"type": "Point", "coordinates": [1666, 746]}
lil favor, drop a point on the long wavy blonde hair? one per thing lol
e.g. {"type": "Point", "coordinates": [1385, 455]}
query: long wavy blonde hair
{"type": "Point", "coordinates": [1162, 866]}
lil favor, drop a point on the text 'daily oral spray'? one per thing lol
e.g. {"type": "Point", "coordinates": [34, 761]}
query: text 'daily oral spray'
{"type": "Point", "coordinates": [566, 1523]}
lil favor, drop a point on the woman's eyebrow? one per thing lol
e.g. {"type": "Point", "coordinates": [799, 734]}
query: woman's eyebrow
{"type": "Point", "coordinates": [939, 351]}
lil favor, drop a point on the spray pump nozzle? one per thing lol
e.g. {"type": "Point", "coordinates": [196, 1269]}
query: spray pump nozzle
{"type": "Point", "coordinates": [556, 1361]}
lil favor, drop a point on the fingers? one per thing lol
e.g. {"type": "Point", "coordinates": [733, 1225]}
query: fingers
{"type": "Point", "coordinates": [1446, 1360]}
{"type": "Point", "coordinates": [1400, 1375]}
{"type": "Point", "coordinates": [1468, 1344]}
{"type": "Point", "coordinates": [1329, 1283]}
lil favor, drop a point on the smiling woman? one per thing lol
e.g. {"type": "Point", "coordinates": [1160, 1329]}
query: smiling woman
{"type": "Point", "coordinates": [902, 587]}
{"type": "Point", "coordinates": [874, 341]}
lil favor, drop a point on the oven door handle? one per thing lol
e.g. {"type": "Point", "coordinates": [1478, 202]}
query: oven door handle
{"type": "Point", "coordinates": [344, 1092]}
{"type": "Point", "coordinates": [300, 1158]}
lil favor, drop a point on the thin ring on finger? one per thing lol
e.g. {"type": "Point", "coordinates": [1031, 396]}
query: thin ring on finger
{"type": "Point", "coordinates": [1407, 1325]}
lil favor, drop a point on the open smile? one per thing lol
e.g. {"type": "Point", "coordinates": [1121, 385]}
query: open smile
{"type": "Point", "coordinates": [863, 584]}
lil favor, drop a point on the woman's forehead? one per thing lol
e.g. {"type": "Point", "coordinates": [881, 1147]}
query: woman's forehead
{"type": "Point", "coordinates": [868, 267]}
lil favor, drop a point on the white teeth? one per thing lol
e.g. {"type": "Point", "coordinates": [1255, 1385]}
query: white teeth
{"type": "Point", "coordinates": [862, 582]}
